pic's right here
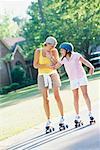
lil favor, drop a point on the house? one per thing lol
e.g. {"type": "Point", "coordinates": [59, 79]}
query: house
{"type": "Point", "coordinates": [10, 56]}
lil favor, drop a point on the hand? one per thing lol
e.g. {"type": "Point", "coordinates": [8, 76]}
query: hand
{"type": "Point", "coordinates": [48, 55]}
{"type": "Point", "coordinates": [91, 71]}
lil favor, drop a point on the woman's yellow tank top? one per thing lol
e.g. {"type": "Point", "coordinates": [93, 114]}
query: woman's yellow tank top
{"type": "Point", "coordinates": [44, 60]}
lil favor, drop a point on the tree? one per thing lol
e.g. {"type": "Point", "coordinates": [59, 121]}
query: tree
{"type": "Point", "coordinates": [7, 27]}
{"type": "Point", "coordinates": [68, 20]}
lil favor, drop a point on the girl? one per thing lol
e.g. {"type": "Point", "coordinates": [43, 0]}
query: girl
{"type": "Point", "coordinates": [48, 77]}
{"type": "Point", "coordinates": [73, 65]}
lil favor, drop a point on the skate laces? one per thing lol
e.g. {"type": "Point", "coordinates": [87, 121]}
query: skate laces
{"type": "Point", "coordinates": [90, 115]}
{"type": "Point", "coordinates": [78, 118]}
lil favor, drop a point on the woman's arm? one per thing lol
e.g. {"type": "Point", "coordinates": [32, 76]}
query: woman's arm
{"type": "Point", "coordinates": [88, 64]}
{"type": "Point", "coordinates": [36, 61]}
{"type": "Point", "coordinates": [53, 56]}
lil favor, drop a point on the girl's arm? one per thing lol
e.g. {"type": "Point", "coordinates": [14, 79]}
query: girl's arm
{"type": "Point", "coordinates": [88, 64]}
{"type": "Point", "coordinates": [36, 61]}
{"type": "Point", "coordinates": [57, 65]}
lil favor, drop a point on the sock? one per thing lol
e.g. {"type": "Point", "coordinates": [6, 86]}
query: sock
{"type": "Point", "coordinates": [62, 119]}
{"type": "Point", "coordinates": [90, 114]}
{"type": "Point", "coordinates": [77, 117]}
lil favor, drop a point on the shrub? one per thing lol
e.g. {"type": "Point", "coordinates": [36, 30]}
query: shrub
{"type": "Point", "coordinates": [18, 74]}
{"type": "Point", "coordinates": [5, 90]}
{"type": "Point", "coordinates": [14, 86]}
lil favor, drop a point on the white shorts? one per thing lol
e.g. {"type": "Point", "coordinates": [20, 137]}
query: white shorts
{"type": "Point", "coordinates": [79, 82]}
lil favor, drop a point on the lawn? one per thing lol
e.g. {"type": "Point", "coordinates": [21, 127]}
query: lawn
{"type": "Point", "coordinates": [23, 109]}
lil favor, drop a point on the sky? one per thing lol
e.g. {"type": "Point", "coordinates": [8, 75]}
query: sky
{"type": "Point", "coordinates": [15, 7]}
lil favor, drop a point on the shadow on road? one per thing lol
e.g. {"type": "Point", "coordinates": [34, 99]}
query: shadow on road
{"type": "Point", "coordinates": [44, 138]}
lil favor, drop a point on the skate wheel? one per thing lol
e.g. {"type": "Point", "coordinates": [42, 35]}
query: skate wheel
{"type": "Point", "coordinates": [47, 132]}
{"type": "Point", "coordinates": [79, 125]}
{"type": "Point", "coordinates": [53, 129]}
{"type": "Point", "coordinates": [50, 130]}
{"type": "Point", "coordinates": [66, 126]}
{"type": "Point", "coordinates": [92, 122]}
{"type": "Point", "coordinates": [75, 126]}
{"type": "Point", "coordinates": [59, 129]}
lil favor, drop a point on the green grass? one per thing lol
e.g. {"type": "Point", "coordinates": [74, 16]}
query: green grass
{"type": "Point", "coordinates": [18, 95]}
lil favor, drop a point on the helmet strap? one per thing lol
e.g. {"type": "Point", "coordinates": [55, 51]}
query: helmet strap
{"type": "Point", "coordinates": [65, 55]}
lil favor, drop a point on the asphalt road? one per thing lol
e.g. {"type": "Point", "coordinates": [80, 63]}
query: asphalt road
{"type": "Point", "coordinates": [86, 137]}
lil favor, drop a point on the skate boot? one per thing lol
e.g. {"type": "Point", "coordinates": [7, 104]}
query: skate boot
{"type": "Point", "coordinates": [49, 127]}
{"type": "Point", "coordinates": [62, 125]}
{"type": "Point", "coordinates": [78, 122]}
{"type": "Point", "coordinates": [92, 120]}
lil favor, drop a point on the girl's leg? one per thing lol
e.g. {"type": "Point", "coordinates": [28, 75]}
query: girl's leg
{"type": "Point", "coordinates": [88, 102]}
{"type": "Point", "coordinates": [46, 102]}
{"type": "Point", "coordinates": [58, 100]}
{"type": "Point", "coordinates": [77, 120]}
{"type": "Point", "coordinates": [86, 97]}
{"type": "Point", "coordinates": [76, 101]}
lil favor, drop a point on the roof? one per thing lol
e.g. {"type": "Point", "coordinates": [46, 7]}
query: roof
{"type": "Point", "coordinates": [10, 42]}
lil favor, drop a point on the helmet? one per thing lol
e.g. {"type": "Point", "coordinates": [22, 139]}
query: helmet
{"type": "Point", "coordinates": [67, 46]}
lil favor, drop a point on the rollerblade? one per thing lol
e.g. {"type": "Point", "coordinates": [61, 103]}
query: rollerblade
{"type": "Point", "coordinates": [78, 122]}
{"type": "Point", "coordinates": [92, 121]}
{"type": "Point", "coordinates": [49, 128]}
{"type": "Point", "coordinates": [62, 125]}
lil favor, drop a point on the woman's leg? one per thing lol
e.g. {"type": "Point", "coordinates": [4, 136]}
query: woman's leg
{"type": "Point", "coordinates": [86, 97]}
{"type": "Point", "coordinates": [46, 102]}
{"type": "Point", "coordinates": [58, 100]}
{"type": "Point", "coordinates": [76, 101]}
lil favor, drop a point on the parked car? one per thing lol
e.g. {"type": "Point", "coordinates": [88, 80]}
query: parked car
{"type": "Point", "coordinates": [95, 59]}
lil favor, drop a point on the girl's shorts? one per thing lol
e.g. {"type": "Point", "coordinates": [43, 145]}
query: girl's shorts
{"type": "Point", "coordinates": [79, 82]}
{"type": "Point", "coordinates": [56, 82]}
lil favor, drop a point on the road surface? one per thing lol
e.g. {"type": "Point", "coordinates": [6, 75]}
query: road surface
{"type": "Point", "coordinates": [85, 137]}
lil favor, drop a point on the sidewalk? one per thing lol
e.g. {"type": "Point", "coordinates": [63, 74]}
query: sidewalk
{"type": "Point", "coordinates": [37, 139]}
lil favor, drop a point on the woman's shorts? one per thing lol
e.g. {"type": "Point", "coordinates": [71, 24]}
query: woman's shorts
{"type": "Point", "coordinates": [79, 82]}
{"type": "Point", "coordinates": [56, 82]}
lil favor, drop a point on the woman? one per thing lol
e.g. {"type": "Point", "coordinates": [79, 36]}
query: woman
{"type": "Point", "coordinates": [48, 78]}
